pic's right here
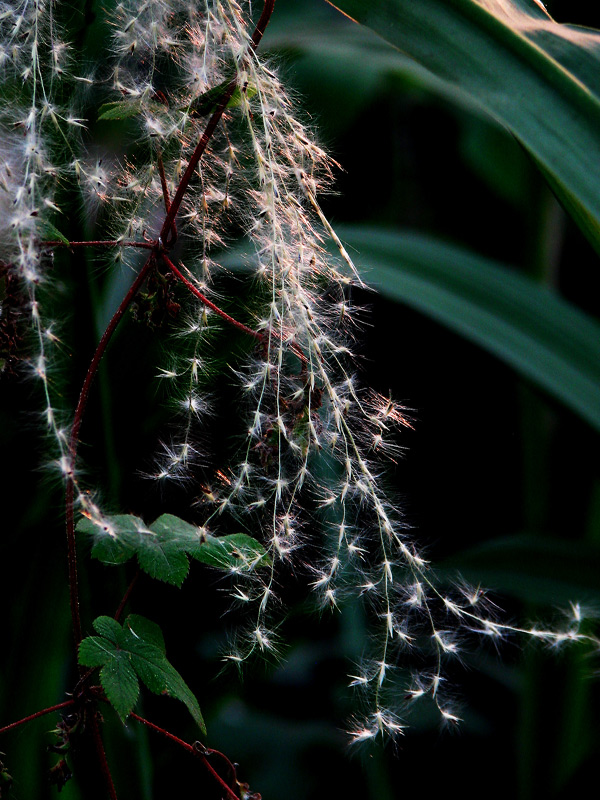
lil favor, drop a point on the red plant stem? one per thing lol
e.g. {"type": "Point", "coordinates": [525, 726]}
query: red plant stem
{"type": "Point", "coordinates": [191, 749]}
{"type": "Point", "coordinates": [262, 23]}
{"type": "Point", "coordinates": [262, 337]}
{"type": "Point", "coordinates": [165, 190]}
{"type": "Point", "coordinates": [211, 126]}
{"type": "Point", "coordinates": [37, 714]}
{"type": "Point", "coordinates": [103, 243]}
{"type": "Point", "coordinates": [102, 758]}
{"type": "Point", "coordinates": [204, 299]}
{"type": "Point", "coordinates": [196, 156]}
{"type": "Point", "coordinates": [73, 440]}
{"type": "Point", "coordinates": [158, 729]}
{"type": "Point", "coordinates": [126, 596]}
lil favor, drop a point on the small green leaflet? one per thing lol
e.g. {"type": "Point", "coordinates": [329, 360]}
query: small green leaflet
{"type": "Point", "coordinates": [130, 653]}
{"type": "Point", "coordinates": [162, 548]}
{"type": "Point", "coordinates": [207, 102]}
{"type": "Point", "coordinates": [120, 109]}
{"type": "Point", "coordinates": [51, 233]}
{"type": "Point", "coordinates": [203, 105]}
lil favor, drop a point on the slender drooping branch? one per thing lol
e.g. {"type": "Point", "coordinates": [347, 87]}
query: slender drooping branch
{"type": "Point", "coordinates": [204, 299]}
{"type": "Point", "coordinates": [74, 436]}
{"type": "Point", "coordinates": [102, 757]}
{"type": "Point", "coordinates": [194, 750]}
{"type": "Point", "coordinates": [37, 714]}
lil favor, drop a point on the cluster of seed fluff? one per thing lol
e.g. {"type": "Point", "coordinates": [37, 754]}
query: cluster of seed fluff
{"type": "Point", "coordinates": [313, 441]}
{"type": "Point", "coordinates": [307, 476]}
{"type": "Point", "coordinates": [36, 130]}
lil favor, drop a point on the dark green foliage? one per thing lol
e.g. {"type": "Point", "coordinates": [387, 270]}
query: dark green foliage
{"type": "Point", "coordinates": [162, 548]}
{"type": "Point", "coordinates": [128, 654]}
{"type": "Point", "coordinates": [120, 109]}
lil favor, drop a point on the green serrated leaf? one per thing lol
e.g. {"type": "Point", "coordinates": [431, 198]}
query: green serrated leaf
{"type": "Point", "coordinates": [120, 683]}
{"type": "Point", "coordinates": [143, 628]}
{"type": "Point", "coordinates": [178, 689]}
{"type": "Point", "coordinates": [163, 559]}
{"type": "Point", "coordinates": [130, 652]}
{"type": "Point", "coordinates": [117, 675]}
{"type": "Point", "coordinates": [162, 547]}
{"type": "Point", "coordinates": [95, 651]}
{"type": "Point", "coordinates": [115, 542]}
{"type": "Point", "coordinates": [150, 663]}
{"type": "Point", "coordinates": [173, 529]}
{"type": "Point", "coordinates": [109, 628]}
{"type": "Point", "coordinates": [120, 109]}
{"type": "Point", "coordinates": [50, 233]}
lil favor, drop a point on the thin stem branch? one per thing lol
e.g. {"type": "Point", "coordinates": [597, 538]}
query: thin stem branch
{"type": "Point", "coordinates": [37, 714]}
{"type": "Point", "coordinates": [193, 750]}
{"type": "Point", "coordinates": [127, 594]}
{"type": "Point", "coordinates": [165, 190]}
{"type": "Point", "coordinates": [73, 441]}
{"type": "Point", "coordinates": [102, 758]}
{"type": "Point", "coordinates": [262, 23]}
{"type": "Point", "coordinates": [204, 299]}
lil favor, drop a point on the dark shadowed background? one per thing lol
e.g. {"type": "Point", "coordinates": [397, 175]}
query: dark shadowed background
{"type": "Point", "coordinates": [500, 480]}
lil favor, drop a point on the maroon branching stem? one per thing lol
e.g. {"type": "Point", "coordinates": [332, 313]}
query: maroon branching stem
{"type": "Point", "coordinates": [102, 758]}
{"type": "Point", "coordinates": [126, 596]}
{"type": "Point", "coordinates": [262, 23]}
{"type": "Point", "coordinates": [262, 337]}
{"type": "Point", "coordinates": [37, 714]}
{"type": "Point", "coordinates": [196, 156]}
{"type": "Point", "coordinates": [211, 126]}
{"type": "Point", "coordinates": [73, 440]}
{"type": "Point", "coordinates": [165, 190]}
{"type": "Point", "coordinates": [158, 729]}
{"type": "Point", "coordinates": [204, 299]}
{"type": "Point", "coordinates": [201, 753]}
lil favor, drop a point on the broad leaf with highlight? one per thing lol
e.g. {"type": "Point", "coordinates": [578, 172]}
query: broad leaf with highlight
{"type": "Point", "coordinates": [509, 58]}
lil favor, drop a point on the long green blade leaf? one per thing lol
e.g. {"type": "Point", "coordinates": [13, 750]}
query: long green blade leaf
{"type": "Point", "coordinates": [538, 333]}
{"type": "Point", "coordinates": [538, 78]}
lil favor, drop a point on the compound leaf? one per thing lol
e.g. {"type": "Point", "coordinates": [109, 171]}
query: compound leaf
{"type": "Point", "coordinates": [117, 675]}
{"type": "Point", "coordinates": [143, 628]}
{"type": "Point", "coordinates": [115, 539]}
{"type": "Point", "coordinates": [162, 548]}
{"type": "Point", "coordinates": [130, 653]}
